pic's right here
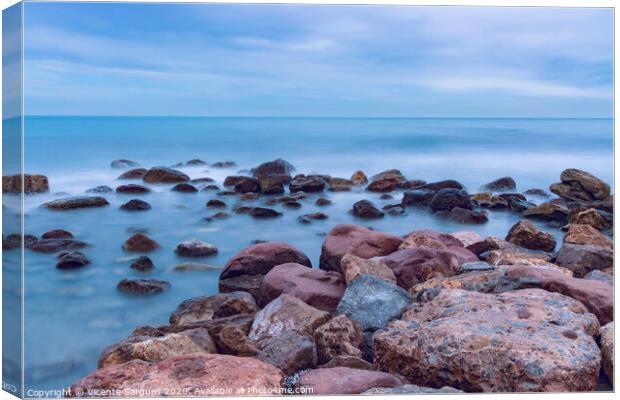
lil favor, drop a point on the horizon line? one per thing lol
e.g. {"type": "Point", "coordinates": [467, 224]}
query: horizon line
{"type": "Point", "coordinates": [305, 116]}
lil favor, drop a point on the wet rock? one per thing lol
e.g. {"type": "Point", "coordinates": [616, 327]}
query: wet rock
{"type": "Point", "coordinates": [591, 217]}
{"type": "Point", "coordinates": [273, 184]}
{"type": "Point", "coordinates": [359, 178]}
{"type": "Point", "coordinates": [418, 197]}
{"type": "Point", "coordinates": [366, 209]}
{"type": "Point", "coordinates": [464, 216]}
{"type": "Point", "coordinates": [582, 259]}
{"type": "Point", "coordinates": [57, 234]}
{"type": "Point", "coordinates": [348, 362]}
{"type": "Point", "coordinates": [290, 352]}
{"type": "Point", "coordinates": [518, 341]}
{"type": "Point", "coordinates": [447, 199]}
{"type": "Point", "coordinates": [338, 337]}
{"type": "Point", "coordinates": [132, 189]}
{"type": "Point", "coordinates": [54, 245]}
{"type": "Point", "coordinates": [489, 200]}
{"type": "Point", "coordinates": [72, 203]}
{"type": "Point", "coordinates": [447, 184]}
{"type": "Point", "coordinates": [537, 192]}
{"type": "Point", "coordinates": [598, 275]}
{"type": "Point", "coordinates": [518, 205]}
{"type": "Point", "coordinates": [390, 174]}
{"type": "Point", "coordinates": [14, 241]}
{"type": "Point", "coordinates": [318, 288]}
{"type": "Point", "coordinates": [412, 389]}
{"type": "Point", "coordinates": [285, 314]}
{"type": "Point", "coordinates": [140, 243]}
{"type": "Point", "coordinates": [340, 184]}
{"type": "Point", "coordinates": [353, 266]}
{"type": "Point", "coordinates": [263, 212]}
{"type": "Point", "coordinates": [244, 283]}
{"type": "Point", "coordinates": [386, 196]}
{"type": "Point", "coordinates": [217, 215]}
{"type": "Point", "coordinates": [580, 185]}
{"type": "Point", "coordinates": [135, 205]}
{"type": "Point", "coordinates": [164, 175]}
{"type": "Point", "coordinates": [191, 375]}
{"type": "Point", "coordinates": [216, 203]}
{"type": "Point", "coordinates": [224, 164]}
{"type": "Point", "coordinates": [526, 234]}
{"type": "Point", "coordinates": [607, 350]}
{"type": "Point", "coordinates": [100, 189]}
{"type": "Point", "coordinates": [142, 286]}
{"type": "Point", "coordinates": [123, 163]}
{"type": "Point", "coordinates": [505, 183]}
{"type": "Point", "coordinates": [307, 218]}
{"type": "Point", "coordinates": [247, 185]}
{"type": "Point", "coordinates": [292, 204]}
{"type": "Point", "coordinates": [136, 173]}
{"type": "Point", "coordinates": [72, 260]}
{"type": "Point", "coordinates": [549, 211]}
{"type": "Point", "coordinates": [382, 186]}
{"type": "Point", "coordinates": [210, 187]}
{"type": "Point", "coordinates": [195, 248]}
{"type": "Point", "coordinates": [227, 193]}
{"type": "Point", "coordinates": [394, 209]}
{"type": "Point", "coordinates": [586, 234]}
{"type": "Point", "coordinates": [307, 184]}
{"type": "Point", "coordinates": [249, 196]}
{"type": "Point", "coordinates": [372, 302]}
{"type": "Point", "coordinates": [357, 240]}
{"type": "Point", "coordinates": [32, 184]}
{"type": "Point", "coordinates": [202, 180]}
{"type": "Point", "coordinates": [261, 258]}
{"type": "Point", "coordinates": [216, 306]}
{"type": "Point", "coordinates": [195, 162]}
{"type": "Point", "coordinates": [142, 264]}
{"type": "Point", "coordinates": [342, 380]}
{"type": "Point", "coordinates": [275, 167]}
{"type": "Point", "coordinates": [418, 264]}
{"type": "Point", "coordinates": [322, 201]}
{"type": "Point", "coordinates": [234, 341]}
{"type": "Point", "coordinates": [184, 187]}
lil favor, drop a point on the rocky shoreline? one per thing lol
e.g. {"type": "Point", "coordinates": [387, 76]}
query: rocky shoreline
{"type": "Point", "coordinates": [426, 312]}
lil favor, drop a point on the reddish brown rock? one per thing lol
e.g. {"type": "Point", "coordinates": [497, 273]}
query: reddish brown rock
{"type": "Point", "coordinates": [582, 259]}
{"type": "Point", "coordinates": [140, 243]}
{"type": "Point", "coordinates": [54, 245]}
{"type": "Point", "coordinates": [528, 340]}
{"type": "Point", "coordinates": [318, 288]}
{"type": "Point", "coordinates": [261, 258]}
{"type": "Point", "coordinates": [357, 240]}
{"type": "Point", "coordinates": [73, 203]}
{"type": "Point", "coordinates": [214, 306]}
{"type": "Point", "coordinates": [607, 350]}
{"type": "Point", "coordinates": [136, 173]}
{"type": "Point", "coordinates": [366, 209]}
{"type": "Point", "coordinates": [526, 234]}
{"type": "Point", "coordinates": [430, 238]}
{"type": "Point", "coordinates": [353, 266]}
{"type": "Point", "coordinates": [418, 264]}
{"type": "Point", "coordinates": [57, 234]}
{"type": "Point", "coordinates": [307, 184]}
{"type": "Point", "coordinates": [467, 237]}
{"type": "Point", "coordinates": [142, 286]}
{"type": "Point", "coordinates": [382, 186]}
{"type": "Point", "coordinates": [586, 234]}
{"type": "Point", "coordinates": [549, 211]}
{"type": "Point", "coordinates": [580, 185]}
{"type": "Point", "coordinates": [234, 341]}
{"type": "Point", "coordinates": [359, 178]}
{"type": "Point", "coordinates": [505, 183]}
{"type": "Point", "coordinates": [164, 175]}
{"type": "Point", "coordinates": [32, 184]}
{"type": "Point", "coordinates": [338, 337]}
{"type": "Point", "coordinates": [348, 362]}
{"type": "Point", "coordinates": [341, 380]}
{"type": "Point", "coordinates": [464, 216]}
{"type": "Point", "coordinates": [590, 217]}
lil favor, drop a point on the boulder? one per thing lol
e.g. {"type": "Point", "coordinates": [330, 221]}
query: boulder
{"type": "Point", "coordinates": [580, 185]}
{"type": "Point", "coordinates": [418, 197]}
{"type": "Point", "coordinates": [290, 352]}
{"type": "Point", "coordinates": [353, 266]}
{"type": "Point", "coordinates": [142, 286]}
{"type": "Point", "coordinates": [140, 243]}
{"type": "Point", "coordinates": [135, 205]}
{"type": "Point", "coordinates": [537, 192]}
{"type": "Point", "coordinates": [607, 350]}
{"type": "Point", "coordinates": [489, 200]}
{"type": "Point", "coordinates": [262, 212]}
{"type": "Point", "coordinates": [54, 245]}
{"type": "Point", "coordinates": [365, 209]}
{"type": "Point", "coordinates": [447, 199]}
{"type": "Point", "coordinates": [526, 234]}
{"type": "Point", "coordinates": [592, 217]}
{"type": "Point", "coordinates": [215, 306]}
{"type": "Point", "coordinates": [418, 264]}
{"type": "Point", "coordinates": [184, 187]}
{"type": "Point", "coordinates": [582, 259]}
{"type": "Point", "coordinates": [190, 375]}
{"type": "Point", "coordinates": [142, 264]}
{"type": "Point", "coordinates": [410, 184]}
{"type": "Point", "coordinates": [242, 283]}
{"type": "Point", "coordinates": [157, 349]}
{"type": "Point", "coordinates": [357, 240]}
{"type": "Point", "coordinates": [57, 234]}
{"type": "Point", "coordinates": [484, 281]}
{"type": "Point", "coordinates": [136, 173]}
{"type": "Point", "coordinates": [72, 203]}
{"type": "Point", "coordinates": [100, 189]}
{"type": "Point", "coordinates": [249, 196]}
{"type": "Point", "coordinates": [247, 185]}
{"type": "Point", "coordinates": [505, 183]}
{"type": "Point", "coordinates": [318, 288]}
{"type": "Point", "coordinates": [72, 260]}
{"type": "Point", "coordinates": [549, 211]}
{"type": "Point", "coordinates": [213, 326]}
{"type": "Point", "coordinates": [164, 175]}
{"type": "Point", "coordinates": [382, 185]}
{"type": "Point", "coordinates": [439, 241]}
{"type": "Point", "coordinates": [261, 258]}
{"type": "Point", "coordinates": [447, 184]}
{"type": "Point", "coordinates": [342, 380]}
{"type": "Point", "coordinates": [285, 314]}
{"type": "Point", "coordinates": [307, 184]}
{"type": "Point", "coordinates": [123, 163]}
{"type": "Point", "coordinates": [275, 167]}
{"type": "Point", "coordinates": [32, 184]}
{"type": "Point", "coordinates": [195, 248]}
{"type": "Point", "coordinates": [273, 184]}
{"type": "Point", "coordinates": [359, 178]}
{"type": "Point", "coordinates": [528, 340]}
{"type": "Point", "coordinates": [372, 302]}
{"type": "Point", "coordinates": [338, 337]}
{"type": "Point", "coordinates": [391, 174]}
{"type": "Point", "coordinates": [233, 340]}
{"type": "Point", "coordinates": [586, 234]}
{"type": "Point", "coordinates": [132, 189]}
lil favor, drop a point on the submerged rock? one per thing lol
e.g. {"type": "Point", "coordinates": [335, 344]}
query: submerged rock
{"type": "Point", "coordinates": [195, 248]}
{"type": "Point", "coordinates": [184, 187]}
{"type": "Point", "coordinates": [54, 245]}
{"type": "Point", "coordinates": [307, 184]}
{"type": "Point", "coordinates": [140, 243]}
{"type": "Point", "coordinates": [132, 189]}
{"type": "Point", "coordinates": [72, 203]}
{"type": "Point", "coordinates": [224, 164]}
{"type": "Point", "coordinates": [32, 184]}
{"type": "Point", "coordinates": [447, 184]}
{"type": "Point", "coordinates": [142, 264]}
{"type": "Point", "coordinates": [262, 212]}
{"type": "Point", "coordinates": [464, 216]}
{"type": "Point", "coordinates": [261, 258]}
{"type": "Point", "coordinates": [136, 173]}
{"type": "Point", "coordinates": [72, 260]}
{"type": "Point", "coordinates": [143, 286]}
{"type": "Point", "coordinates": [164, 175]}
{"type": "Point", "coordinates": [447, 199]}
{"type": "Point", "coordinates": [243, 283]}
{"type": "Point", "coordinates": [57, 234]}
{"type": "Point", "coordinates": [247, 185]}
{"type": "Point", "coordinates": [216, 203]}
{"type": "Point", "coordinates": [193, 266]}
{"type": "Point", "coordinates": [135, 205]}
{"type": "Point", "coordinates": [123, 163]}
{"type": "Point", "coordinates": [366, 209]}
{"type": "Point", "coordinates": [418, 197]}
{"type": "Point", "coordinates": [100, 189]}
{"type": "Point", "coordinates": [195, 162]}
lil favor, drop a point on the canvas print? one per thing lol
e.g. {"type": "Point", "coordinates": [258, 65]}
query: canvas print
{"type": "Point", "coordinates": [287, 199]}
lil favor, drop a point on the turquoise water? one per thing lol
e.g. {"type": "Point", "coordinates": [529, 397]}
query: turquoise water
{"type": "Point", "coordinates": [70, 316]}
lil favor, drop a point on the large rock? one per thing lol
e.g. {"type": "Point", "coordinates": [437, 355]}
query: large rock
{"type": "Point", "coordinates": [418, 264]}
{"type": "Point", "coordinates": [418, 197]}
{"type": "Point", "coordinates": [520, 341]}
{"type": "Point", "coordinates": [72, 203]}
{"type": "Point", "coordinates": [164, 175]}
{"type": "Point", "coordinates": [353, 266]}
{"type": "Point", "coordinates": [72, 260]}
{"type": "Point", "coordinates": [446, 184]}
{"type": "Point", "coordinates": [285, 314]}
{"type": "Point", "coordinates": [382, 186]}
{"type": "Point", "coordinates": [242, 283]}
{"type": "Point", "coordinates": [290, 352]}
{"type": "Point", "coordinates": [195, 248]}
{"type": "Point", "coordinates": [356, 240]}
{"type": "Point", "coordinates": [580, 185]}
{"type": "Point", "coordinates": [261, 258]}
{"type": "Point", "coordinates": [591, 216]}
{"type": "Point", "coordinates": [234, 340]}
{"type": "Point", "coordinates": [307, 184]}
{"type": "Point", "coordinates": [582, 259]}
{"type": "Point", "coordinates": [32, 184]}
{"type": "Point", "coordinates": [586, 234]}
{"type": "Point", "coordinates": [365, 209]}
{"type": "Point", "coordinates": [359, 178]}
{"type": "Point", "coordinates": [273, 184]}
{"type": "Point", "coordinates": [215, 306]}
{"type": "Point", "coordinates": [263, 212]}
{"type": "Point", "coordinates": [342, 380]}
{"type": "Point", "coordinates": [140, 243]}
{"type": "Point", "coordinates": [337, 337]}
{"type": "Point", "coordinates": [136, 173]}
{"type": "Point", "coordinates": [57, 234]}
{"type": "Point", "coordinates": [447, 199]}
{"type": "Point", "coordinates": [526, 234]}
{"type": "Point", "coordinates": [184, 187]}
{"type": "Point", "coordinates": [318, 288]}
{"type": "Point", "coordinates": [247, 185]}
{"type": "Point", "coordinates": [549, 211]}
{"type": "Point", "coordinates": [505, 183]}
{"type": "Point", "coordinates": [373, 302]}
{"type": "Point", "coordinates": [275, 167]}
{"type": "Point", "coordinates": [187, 375]}
{"type": "Point", "coordinates": [607, 350]}
{"type": "Point", "coordinates": [156, 349]}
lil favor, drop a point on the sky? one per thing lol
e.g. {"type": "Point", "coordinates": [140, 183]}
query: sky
{"type": "Point", "coordinates": [304, 60]}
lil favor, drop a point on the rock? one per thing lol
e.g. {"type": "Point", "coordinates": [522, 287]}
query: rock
{"type": "Point", "coordinates": [193, 266]}
{"type": "Point", "coordinates": [184, 187]}
{"type": "Point", "coordinates": [72, 260]}
{"type": "Point", "coordinates": [348, 362]}
{"type": "Point", "coordinates": [57, 234]}
{"type": "Point", "coordinates": [164, 175]}
{"type": "Point", "coordinates": [475, 266]}
{"type": "Point", "coordinates": [382, 186]}
{"type": "Point", "coordinates": [135, 205]}
{"type": "Point", "coordinates": [447, 184]}
{"type": "Point", "coordinates": [123, 163]}
{"type": "Point", "coordinates": [390, 174]}
{"type": "Point", "coordinates": [195, 162]}
{"type": "Point", "coordinates": [580, 185]}
{"type": "Point", "coordinates": [341, 380]}
{"type": "Point", "coordinates": [526, 234]}
{"type": "Point", "coordinates": [394, 209]}
{"type": "Point", "coordinates": [586, 234]}
{"type": "Point", "coordinates": [142, 264]}
{"type": "Point", "coordinates": [210, 187]}
{"type": "Point", "coordinates": [224, 164]}
{"type": "Point", "coordinates": [208, 307]}
{"type": "Point", "coordinates": [353, 266]}
{"type": "Point", "coordinates": [32, 184]}
{"type": "Point", "coordinates": [143, 286]}
{"type": "Point", "coordinates": [307, 218]}
{"type": "Point", "coordinates": [357, 240]}
{"type": "Point", "coordinates": [157, 349]}
{"type": "Point", "coordinates": [244, 283]}
{"type": "Point", "coordinates": [537, 192]}
{"type": "Point", "coordinates": [275, 167]}
{"type": "Point", "coordinates": [213, 326]}
{"type": "Point", "coordinates": [285, 314]}
{"type": "Point", "coordinates": [418, 264]}
{"type": "Point", "coordinates": [505, 183]}
{"type": "Point", "coordinates": [365, 209]}
{"type": "Point", "coordinates": [307, 184]}
{"type": "Point", "coordinates": [322, 201]}
{"type": "Point", "coordinates": [359, 178]}
{"type": "Point", "coordinates": [53, 245]}
{"type": "Point", "coordinates": [72, 203]}
{"type": "Point", "coordinates": [100, 189]}
{"type": "Point", "coordinates": [273, 184]}
{"type": "Point", "coordinates": [467, 237]}
{"type": "Point", "coordinates": [261, 258]}
{"type": "Point", "coordinates": [418, 197]}
{"type": "Point", "coordinates": [386, 196]}
{"type": "Point", "coordinates": [372, 302]}
{"type": "Point", "coordinates": [216, 203]}
{"type": "Point", "coordinates": [195, 248]}
{"type": "Point", "coordinates": [249, 196]}
{"type": "Point", "coordinates": [489, 200]}
{"type": "Point", "coordinates": [519, 206]}
{"type": "Point", "coordinates": [340, 183]}
{"type": "Point", "coordinates": [136, 173]}
{"type": "Point", "coordinates": [190, 375]}
{"type": "Point", "coordinates": [475, 281]}
{"type": "Point", "coordinates": [290, 352]}
{"type": "Point", "coordinates": [549, 211]}
{"type": "Point", "coordinates": [411, 389]}
{"type": "Point", "coordinates": [292, 204]}
{"type": "Point", "coordinates": [463, 216]}
{"type": "Point", "coordinates": [599, 275]}
{"type": "Point", "coordinates": [582, 259]}
{"type": "Point", "coordinates": [234, 341]}
{"type": "Point", "coordinates": [607, 350]}
{"type": "Point", "coordinates": [247, 185]}
{"type": "Point", "coordinates": [132, 189]}
{"type": "Point", "coordinates": [591, 217]}
{"type": "Point", "coordinates": [318, 288]}
{"type": "Point", "coordinates": [438, 241]}
{"type": "Point", "coordinates": [262, 212]}
{"type": "Point", "coordinates": [202, 180]}
{"type": "Point", "coordinates": [140, 243]}
{"type": "Point", "coordinates": [338, 337]}
{"type": "Point", "coordinates": [519, 341]}
{"type": "Point", "coordinates": [447, 199]}
{"type": "Point", "coordinates": [411, 184]}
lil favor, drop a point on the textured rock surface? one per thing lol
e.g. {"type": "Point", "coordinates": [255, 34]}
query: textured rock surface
{"type": "Point", "coordinates": [132, 189]}
{"type": "Point", "coordinates": [164, 175]}
{"type": "Point", "coordinates": [233, 340]}
{"type": "Point", "coordinates": [582, 259]}
{"type": "Point", "coordinates": [366, 209]}
{"type": "Point", "coordinates": [447, 199]}
{"type": "Point", "coordinates": [607, 350]}
{"type": "Point", "coordinates": [32, 184]}
{"type": "Point", "coordinates": [290, 352]}
{"type": "Point", "coordinates": [140, 243]}
{"type": "Point", "coordinates": [338, 337]}
{"type": "Point", "coordinates": [72, 260]}
{"type": "Point", "coordinates": [348, 362]}
{"type": "Point", "coordinates": [218, 305]}
{"type": "Point", "coordinates": [195, 248]}
{"type": "Point", "coordinates": [136, 173]}
{"type": "Point", "coordinates": [526, 340]}
{"type": "Point", "coordinates": [418, 264]}
{"type": "Point", "coordinates": [261, 258]}
{"type": "Point", "coordinates": [135, 205]}
{"type": "Point", "coordinates": [580, 185]}
{"type": "Point", "coordinates": [586, 234]}
{"type": "Point", "coordinates": [549, 211]}
{"type": "Point", "coordinates": [412, 389]}
{"type": "Point", "coordinates": [527, 235]}
{"type": "Point", "coordinates": [505, 183]}
{"type": "Point", "coordinates": [342, 380]}
{"type": "Point", "coordinates": [243, 283]}
{"type": "Point", "coordinates": [143, 286]}
{"type": "Point", "coordinates": [353, 266]}
{"type": "Point", "coordinates": [73, 203]}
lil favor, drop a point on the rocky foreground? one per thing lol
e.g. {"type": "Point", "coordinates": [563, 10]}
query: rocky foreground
{"type": "Point", "coordinates": [426, 312]}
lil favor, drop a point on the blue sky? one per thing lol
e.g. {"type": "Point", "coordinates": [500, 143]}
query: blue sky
{"type": "Point", "coordinates": [296, 60]}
